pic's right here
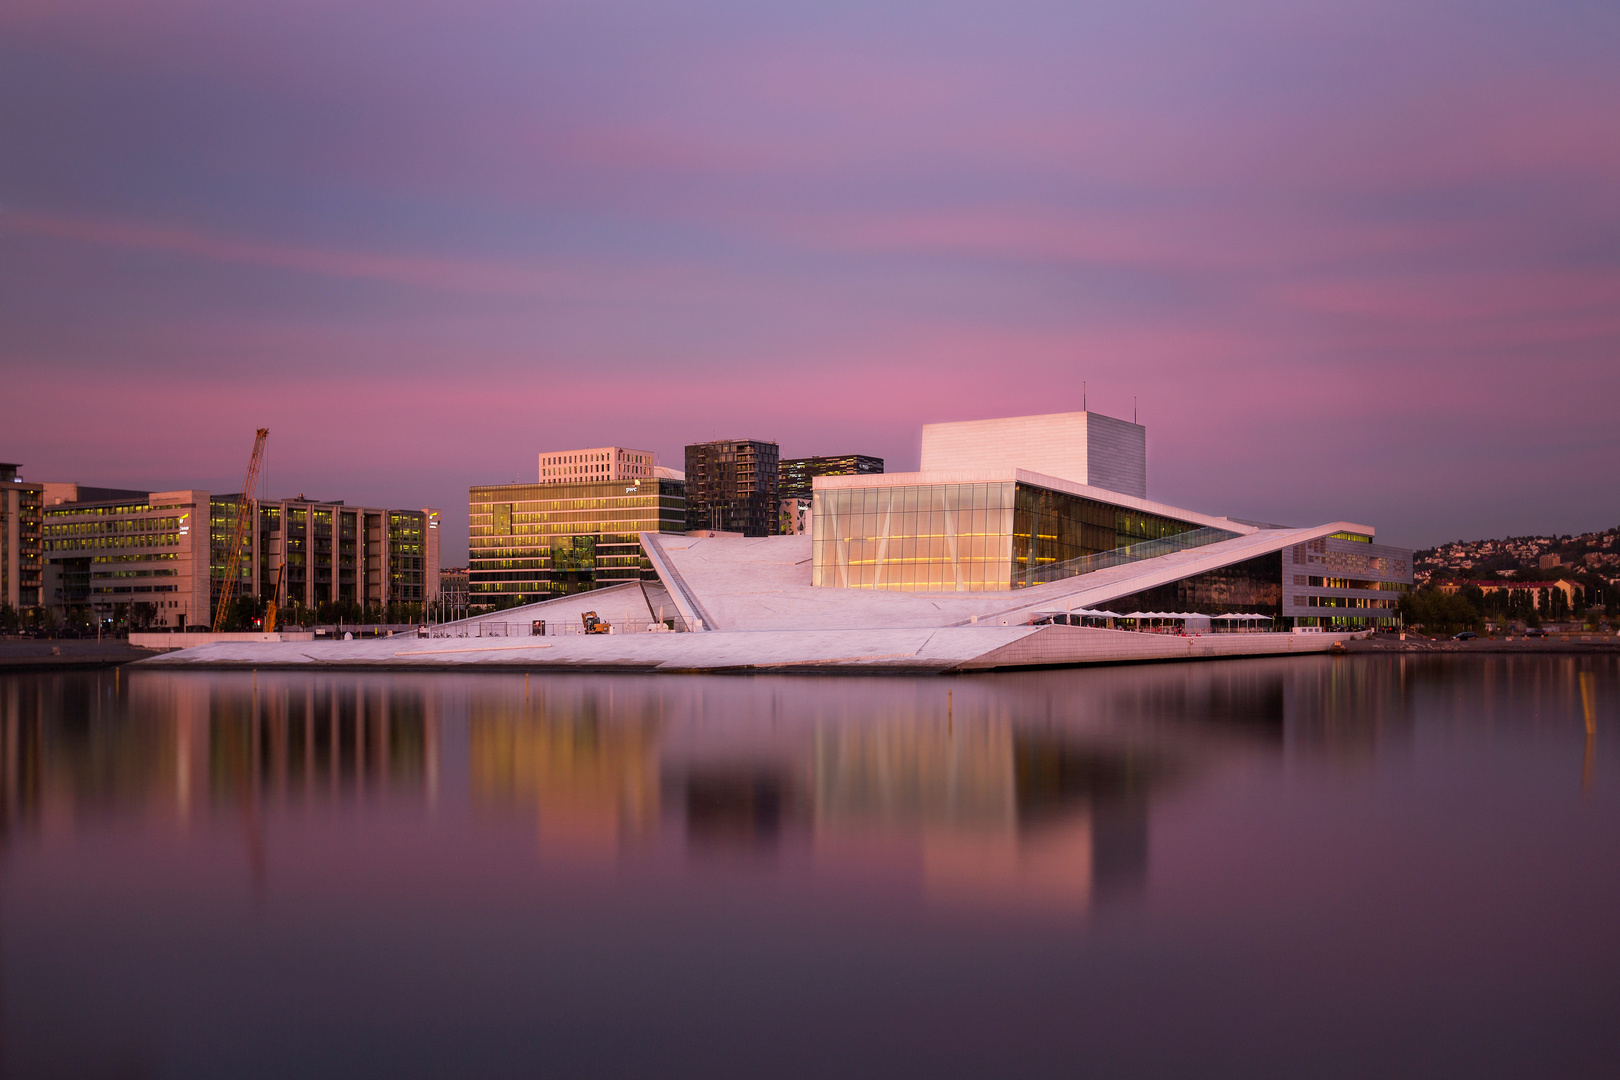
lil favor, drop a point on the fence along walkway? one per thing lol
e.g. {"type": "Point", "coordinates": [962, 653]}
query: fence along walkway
{"type": "Point", "coordinates": [673, 623]}
{"type": "Point", "coordinates": [1147, 549]}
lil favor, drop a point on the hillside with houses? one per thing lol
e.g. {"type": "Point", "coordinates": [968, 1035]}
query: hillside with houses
{"type": "Point", "coordinates": [1583, 570]}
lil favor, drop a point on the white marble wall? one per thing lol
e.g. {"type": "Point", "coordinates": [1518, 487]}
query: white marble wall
{"type": "Point", "coordinates": [1084, 447]}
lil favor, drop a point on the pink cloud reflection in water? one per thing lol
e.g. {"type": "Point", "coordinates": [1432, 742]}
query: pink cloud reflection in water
{"type": "Point", "coordinates": [1256, 867]}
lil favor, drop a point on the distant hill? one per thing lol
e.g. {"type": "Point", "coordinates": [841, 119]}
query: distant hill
{"type": "Point", "coordinates": [1593, 558]}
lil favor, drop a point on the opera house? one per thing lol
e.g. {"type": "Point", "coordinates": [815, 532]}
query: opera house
{"type": "Point", "coordinates": [1020, 541]}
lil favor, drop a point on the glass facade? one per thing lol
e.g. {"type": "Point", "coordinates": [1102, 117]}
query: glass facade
{"type": "Point", "coordinates": [1254, 585]}
{"type": "Point", "coordinates": [795, 476]}
{"type": "Point", "coordinates": [334, 553]}
{"type": "Point", "coordinates": [406, 574]}
{"type": "Point", "coordinates": [529, 542]}
{"type": "Point", "coordinates": [964, 537]}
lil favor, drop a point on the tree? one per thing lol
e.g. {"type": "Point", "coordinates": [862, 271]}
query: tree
{"type": "Point", "coordinates": [1438, 613]}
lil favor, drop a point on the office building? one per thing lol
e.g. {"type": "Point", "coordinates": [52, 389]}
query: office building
{"type": "Point", "coordinates": [731, 486]}
{"type": "Point", "coordinates": [596, 463]}
{"type": "Point", "coordinates": [358, 557]}
{"type": "Point", "coordinates": [158, 559]}
{"type": "Point", "coordinates": [532, 541]}
{"type": "Point", "coordinates": [137, 557]}
{"type": "Point", "coordinates": [21, 566]}
{"type": "Point", "coordinates": [794, 475]}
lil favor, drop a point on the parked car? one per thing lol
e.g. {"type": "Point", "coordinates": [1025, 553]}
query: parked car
{"type": "Point", "coordinates": [1535, 631]}
{"type": "Point", "coordinates": [1466, 635]}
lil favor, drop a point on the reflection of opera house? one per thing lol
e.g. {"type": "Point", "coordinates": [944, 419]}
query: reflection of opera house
{"type": "Point", "coordinates": [1021, 541]}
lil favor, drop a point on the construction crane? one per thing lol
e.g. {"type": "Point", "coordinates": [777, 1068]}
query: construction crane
{"type": "Point", "coordinates": [239, 535]}
{"type": "Point", "coordinates": [275, 595]}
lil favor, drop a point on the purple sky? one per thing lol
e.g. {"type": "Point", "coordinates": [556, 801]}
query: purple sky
{"type": "Point", "coordinates": [1356, 260]}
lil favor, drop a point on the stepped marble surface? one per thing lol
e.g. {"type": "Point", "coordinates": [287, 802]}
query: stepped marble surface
{"type": "Point", "coordinates": [926, 649]}
{"type": "Point", "coordinates": [763, 583]}
{"type": "Point", "coordinates": [920, 649]}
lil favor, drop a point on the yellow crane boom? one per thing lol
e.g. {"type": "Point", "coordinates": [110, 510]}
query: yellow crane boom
{"type": "Point", "coordinates": [239, 535]}
{"type": "Point", "coordinates": [275, 597]}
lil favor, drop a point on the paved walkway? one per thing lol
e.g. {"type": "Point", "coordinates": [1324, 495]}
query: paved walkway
{"type": "Point", "coordinates": [31, 655]}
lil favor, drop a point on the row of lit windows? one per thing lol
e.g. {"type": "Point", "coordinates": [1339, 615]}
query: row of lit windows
{"type": "Point", "coordinates": [601, 540]}
{"type": "Point", "coordinates": [109, 528]}
{"type": "Point", "coordinates": [81, 543]}
{"type": "Point", "coordinates": [575, 520]}
{"type": "Point", "coordinates": [1344, 602]}
{"type": "Point", "coordinates": [575, 528]}
{"type": "Point", "coordinates": [1350, 583]}
{"type": "Point", "coordinates": [611, 502]}
{"type": "Point", "coordinates": [135, 573]}
{"type": "Point", "coordinates": [75, 510]}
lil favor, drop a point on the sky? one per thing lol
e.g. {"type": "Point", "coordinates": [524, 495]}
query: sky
{"type": "Point", "coordinates": [1345, 260]}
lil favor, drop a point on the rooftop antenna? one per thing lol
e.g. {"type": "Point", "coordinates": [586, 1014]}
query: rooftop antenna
{"type": "Point", "coordinates": [1133, 408]}
{"type": "Point", "coordinates": [1083, 406]}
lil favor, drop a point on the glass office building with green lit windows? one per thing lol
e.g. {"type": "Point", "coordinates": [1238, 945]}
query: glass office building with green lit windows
{"type": "Point", "coordinates": [529, 542]}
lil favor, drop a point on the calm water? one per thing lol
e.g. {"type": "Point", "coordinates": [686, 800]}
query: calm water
{"type": "Point", "coordinates": [1365, 866]}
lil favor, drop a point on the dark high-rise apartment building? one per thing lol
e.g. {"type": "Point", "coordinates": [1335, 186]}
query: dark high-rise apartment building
{"type": "Point", "coordinates": [731, 486]}
{"type": "Point", "coordinates": [21, 567]}
{"type": "Point", "coordinates": [794, 475]}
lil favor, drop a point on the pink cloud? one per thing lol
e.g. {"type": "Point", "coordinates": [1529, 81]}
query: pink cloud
{"type": "Point", "coordinates": [448, 274]}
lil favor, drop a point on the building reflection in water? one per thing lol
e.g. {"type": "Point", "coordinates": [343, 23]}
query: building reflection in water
{"type": "Point", "coordinates": [587, 769]}
{"type": "Point", "coordinates": [992, 810]}
{"type": "Point", "coordinates": [1029, 788]}
{"type": "Point", "coordinates": [175, 747]}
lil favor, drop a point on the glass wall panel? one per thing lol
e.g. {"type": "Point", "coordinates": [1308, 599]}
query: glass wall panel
{"type": "Point", "coordinates": [1251, 586]}
{"type": "Point", "coordinates": [925, 537]}
{"type": "Point", "coordinates": [964, 537]}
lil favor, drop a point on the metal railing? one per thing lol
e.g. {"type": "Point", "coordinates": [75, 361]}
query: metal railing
{"type": "Point", "coordinates": [1102, 560]}
{"type": "Point", "coordinates": [494, 628]}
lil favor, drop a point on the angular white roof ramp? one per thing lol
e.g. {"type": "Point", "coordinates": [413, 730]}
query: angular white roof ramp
{"type": "Point", "coordinates": [763, 583]}
{"type": "Point", "coordinates": [1105, 586]}
{"type": "Point", "coordinates": [693, 613]}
